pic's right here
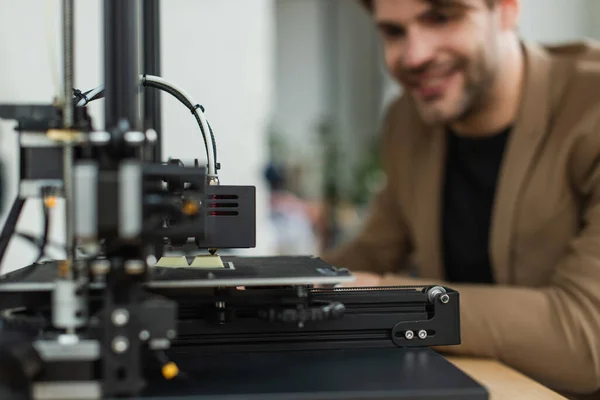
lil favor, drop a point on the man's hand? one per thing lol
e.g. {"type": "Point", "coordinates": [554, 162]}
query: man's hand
{"type": "Point", "coordinates": [368, 279]}
{"type": "Point", "coordinates": [364, 279]}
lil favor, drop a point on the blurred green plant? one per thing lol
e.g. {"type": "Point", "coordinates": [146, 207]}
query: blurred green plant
{"type": "Point", "coordinates": [369, 175]}
{"type": "Point", "coordinates": [277, 146]}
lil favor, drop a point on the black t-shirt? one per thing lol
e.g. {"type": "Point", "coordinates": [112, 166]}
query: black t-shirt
{"type": "Point", "coordinates": [471, 175]}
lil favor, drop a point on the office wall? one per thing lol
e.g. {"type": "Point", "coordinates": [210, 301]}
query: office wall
{"type": "Point", "coordinates": [551, 21]}
{"type": "Point", "coordinates": [592, 20]}
{"type": "Point", "coordinates": [220, 52]}
{"type": "Point", "coordinates": [325, 74]}
{"type": "Point", "coordinates": [301, 101]}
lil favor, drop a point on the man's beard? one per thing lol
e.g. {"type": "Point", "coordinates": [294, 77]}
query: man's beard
{"type": "Point", "coordinates": [478, 78]}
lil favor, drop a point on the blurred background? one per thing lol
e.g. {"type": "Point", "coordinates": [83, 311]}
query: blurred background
{"type": "Point", "coordinates": [294, 90]}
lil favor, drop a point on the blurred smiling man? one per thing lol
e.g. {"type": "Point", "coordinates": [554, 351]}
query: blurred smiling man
{"type": "Point", "coordinates": [459, 60]}
{"type": "Point", "coordinates": [492, 156]}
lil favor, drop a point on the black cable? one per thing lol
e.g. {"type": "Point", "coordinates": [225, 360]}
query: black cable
{"type": "Point", "coordinates": [9, 227]}
{"type": "Point", "coordinates": [97, 96]}
{"type": "Point", "coordinates": [46, 229]}
{"type": "Point", "coordinates": [79, 95]}
{"type": "Point", "coordinates": [24, 273]}
{"type": "Point", "coordinates": [163, 359]}
{"type": "Point", "coordinates": [190, 106]}
{"type": "Point", "coordinates": [9, 231]}
{"type": "Point", "coordinates": [37, 242]}
{"type": "Point", "coordinates": [184, 101]}
{"type": "Point", "coordinates": [217, 165]}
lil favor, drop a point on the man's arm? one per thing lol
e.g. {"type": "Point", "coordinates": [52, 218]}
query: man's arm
{"type": "Point", "coordinates": [380, 247]}
{"type": "Point", "coordinates": [552, 333]}
{"type": "Point", "coordinates": [549, 334]}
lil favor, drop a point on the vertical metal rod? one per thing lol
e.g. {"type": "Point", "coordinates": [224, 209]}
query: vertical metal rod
{"type": "Point", "coordinates": [121, 66]}
{"type": "Point", "coordinates": [69, 196]}
{"type": "Point", "coordinates": [68, 123]}
{"type": "Point", "coordinates": [69, 61]}
{"type": "Point", "coordinates": [152, 98]}
{"type": "Point", "coordinates": [152, 61]}
{"type": "Point", "coordinates": [122, 113]}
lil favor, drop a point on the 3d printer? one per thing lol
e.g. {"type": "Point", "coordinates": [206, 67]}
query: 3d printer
{"type": "Point", "coordinates": [118, 319]}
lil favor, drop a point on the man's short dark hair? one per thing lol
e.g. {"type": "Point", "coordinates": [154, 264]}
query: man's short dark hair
{"type": "Point", "coordinates": [369, 3]}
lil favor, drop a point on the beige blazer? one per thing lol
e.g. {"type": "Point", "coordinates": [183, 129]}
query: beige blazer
{"type": "Point", "coordinates": [543, 316]}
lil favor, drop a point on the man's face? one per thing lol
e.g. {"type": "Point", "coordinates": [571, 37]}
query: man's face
{"type": "Point", "coordinates": [445, 53]}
